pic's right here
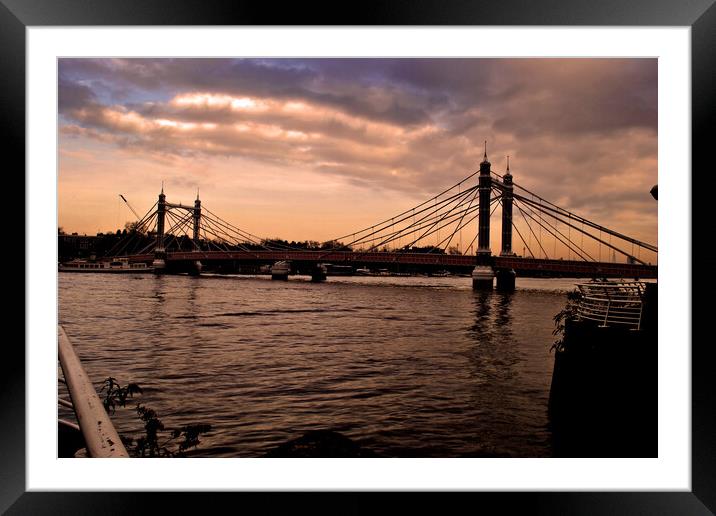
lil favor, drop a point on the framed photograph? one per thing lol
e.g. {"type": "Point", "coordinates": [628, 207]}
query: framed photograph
{"type": "Point", "coordinates": [415, 250]}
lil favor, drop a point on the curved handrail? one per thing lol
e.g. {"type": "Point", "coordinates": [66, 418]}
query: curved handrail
{"type": "Point", "coordinates": [98, 431]}
{"type": "Point", "coordinates": [612, 302]}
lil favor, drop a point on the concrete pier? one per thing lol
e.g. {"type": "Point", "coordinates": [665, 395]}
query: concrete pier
{"type": "Point", "coordinates": [319, 273]}
{"type": "Point", "coordinates": [483, 277]}
{"type": "Point", "coordinates": [195, 268]}
{"type": "Point", "coordinates": [280, 271]}
{"type": "Point", "coordinates": [506, 280]}
{"type": "Point", "coordinates": [159, 265]}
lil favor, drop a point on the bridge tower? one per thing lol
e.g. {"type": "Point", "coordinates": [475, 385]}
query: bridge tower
{"type": "Point", "coordinates": [483, 274]}
{"type": "Point", "coordinates": [506, 277]}
{"type": "Point", "coordinates": [160, 254]}
{"type": "Point", "coordinates": [196, 266]}
{"type": "Point", "coordinates": [197, 218]}
{"type": "Point", "coordinates": [507, 190]}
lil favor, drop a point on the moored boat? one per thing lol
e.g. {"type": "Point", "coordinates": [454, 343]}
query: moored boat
{"type": "Point", "coordinates": [118, 265]}
{"type": "Point", "coordinates": [339, 270]}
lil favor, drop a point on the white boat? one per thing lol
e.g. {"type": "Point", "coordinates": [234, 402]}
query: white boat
{"type": "Point", "coordinates": [118, 265]}
{"type": "Point", "coordinates": [363, 272]}
{"type": "Point", "coordinates": [338, 270]}
{"type": "Point", "coordinates": [441, 274]}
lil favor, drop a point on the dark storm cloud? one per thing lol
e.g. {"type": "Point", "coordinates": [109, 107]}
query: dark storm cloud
{"type": "Point", "coordinates": [73, 95]}
{"type": "Point", "coordinates": [522, 95]}
{"type": "Point", "coordinates": [297, 80]}
{"type": "Point", "coordinates": [568, 100]}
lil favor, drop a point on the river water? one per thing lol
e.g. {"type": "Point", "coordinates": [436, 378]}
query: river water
{"type": "Point", "coordinates": [405, 366]}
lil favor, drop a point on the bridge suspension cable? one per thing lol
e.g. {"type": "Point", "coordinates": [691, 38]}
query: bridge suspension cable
{"type": "Point", "coordinates": [494, 201]}
{"type": "Point", "coordinates": [550, 206]}
{"type": "Point", "coordinates": [412, 211]}
{"type": "Point", "coordinates": [139, 228]}
{"type": "Point", "coordinates": [560, 217]}
{"type": "Point", "coordinates": [433, 219]}
{"type": "Point", "coordinates": [430, 218]}
{"type": "Point", "coordinates": [539, 243]}
{"type": "Point", "coordinates": [521, 237]}
{"type": "Point", "coordinates": [552, 230]}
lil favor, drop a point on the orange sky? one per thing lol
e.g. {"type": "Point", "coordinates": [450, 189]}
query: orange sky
{"type": "Point", "coordinates": [317, 148]}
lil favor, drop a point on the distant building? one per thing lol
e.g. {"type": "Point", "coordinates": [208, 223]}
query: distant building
{"type": "Point", "coordinates": [75, 246]}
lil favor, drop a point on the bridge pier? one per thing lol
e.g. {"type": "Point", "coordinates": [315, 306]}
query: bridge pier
{"type": "Point", "coordinates": [159, 264]}
{"type": "Point", "coordinates": [280, 270]}
{"type": "Point", "coordinates": [195, 268]}
{"type": "Point", "coordinates": [482, 277]}
{"type": "Point", "coordinates": [319, 273]}
{"type": "Point", "coordinates": [506, 280]}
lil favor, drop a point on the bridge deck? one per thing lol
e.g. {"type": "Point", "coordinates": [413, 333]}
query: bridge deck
{"type": "Point", "coordinates": [520, 265]}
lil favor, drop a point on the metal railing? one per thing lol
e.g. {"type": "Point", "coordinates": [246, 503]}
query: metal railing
{"type": "Point", "coordinates": [99, 433]}
{"type": "Point", "coordinates": [612, 303]}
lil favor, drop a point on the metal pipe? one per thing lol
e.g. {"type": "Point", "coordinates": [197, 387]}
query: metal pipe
{"type": "Point", "coordinates": [99, 433]}
{"type": "Point", "coordinates": [68, 424]}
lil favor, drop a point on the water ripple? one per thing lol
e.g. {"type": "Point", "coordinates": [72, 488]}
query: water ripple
{"type": "Point", "coordinates": [406, 366]}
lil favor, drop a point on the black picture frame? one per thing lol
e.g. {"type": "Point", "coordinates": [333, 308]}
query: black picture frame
{"type": "Point", "coordinates": [700, 15]}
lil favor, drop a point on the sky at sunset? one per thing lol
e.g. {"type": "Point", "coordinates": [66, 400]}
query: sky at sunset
{"type": "Point", "coordinates": [317, 148]}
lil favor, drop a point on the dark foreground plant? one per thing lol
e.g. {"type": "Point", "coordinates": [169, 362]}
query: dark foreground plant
{"type": "Point", "coordinates": [157, 441]}
{"type": "Point", "coordinates": [569, 312]}
{"type": "Point", "coordinates": [115, 394]}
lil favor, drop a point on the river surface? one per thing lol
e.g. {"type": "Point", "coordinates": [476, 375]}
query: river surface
{"type": "Point", "coordinates": [405, 366]}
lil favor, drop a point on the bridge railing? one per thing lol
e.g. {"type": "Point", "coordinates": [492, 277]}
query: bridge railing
{"type": "Point", "coordinates": [612, 303]}
{"type": "Point", "coordinates": [99, 434]}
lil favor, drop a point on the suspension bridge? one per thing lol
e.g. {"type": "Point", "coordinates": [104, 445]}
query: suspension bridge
{"type": "Point", "coordinates": [554, 240]}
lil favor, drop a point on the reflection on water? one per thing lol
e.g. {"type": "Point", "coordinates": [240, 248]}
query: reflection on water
{"type": "Point", "coordinates": [404, 366]}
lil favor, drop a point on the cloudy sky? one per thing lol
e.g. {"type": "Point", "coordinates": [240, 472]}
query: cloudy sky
{"type": "Point", "coordinates": [317, 148]}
